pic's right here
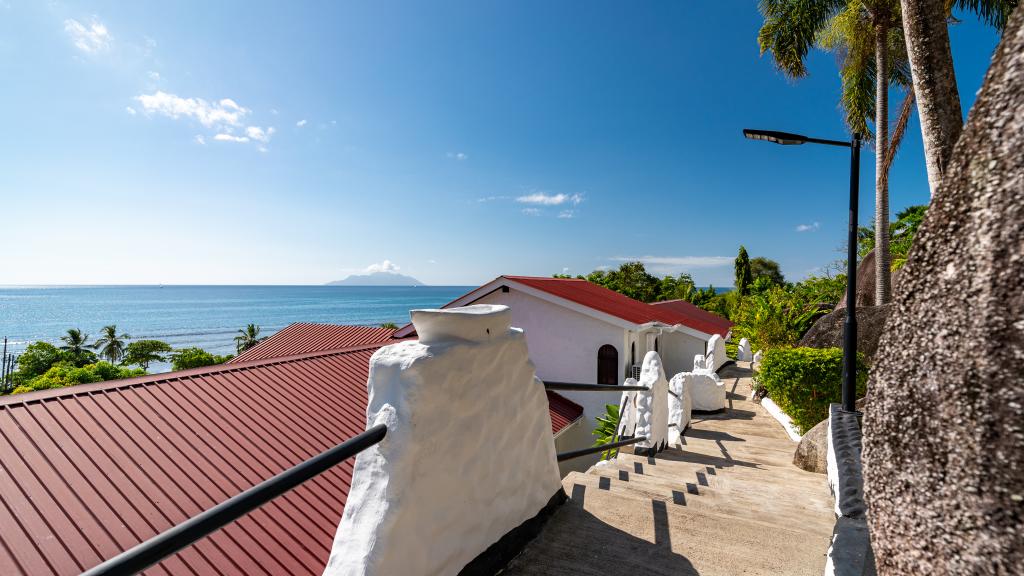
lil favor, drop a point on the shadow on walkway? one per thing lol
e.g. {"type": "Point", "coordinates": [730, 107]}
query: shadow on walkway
{"type": "Point", "coordinates": [588, 546]}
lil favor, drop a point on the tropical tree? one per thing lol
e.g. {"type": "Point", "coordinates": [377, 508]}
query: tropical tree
{"type": "Point", "coordinates": [248, 337]}
{"type": "Point", "coordinates": [389, 325]}
{"type": "Point", "coordinates": [762, 267]}
{"type": "Point", "coordinates": [110, 344]}
{"type": "Point", "coordinates": [744, 277]}
{"type": "Point", "coordinates": [143, 352]}
{"type": "Point", "coordinates": [931, 60]}
{"type": "Point", "coordinates": [607, 426]}
{"type": "Point", "coordinates": [188, 358]}
{"type": "Point", "coordinates": [867, 35]}
{"type": "Point", "coordinates": [75, 342]}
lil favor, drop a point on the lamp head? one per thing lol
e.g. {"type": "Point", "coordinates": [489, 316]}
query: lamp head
{"type": "Point", "coordinates": [784, 138]}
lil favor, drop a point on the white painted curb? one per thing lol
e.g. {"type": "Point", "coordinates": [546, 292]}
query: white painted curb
{"type": "Point", "coordinates": [782, 417]}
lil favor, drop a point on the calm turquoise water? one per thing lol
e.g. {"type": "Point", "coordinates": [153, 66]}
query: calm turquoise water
{"type": "Point", "coordinates": [204, 316]}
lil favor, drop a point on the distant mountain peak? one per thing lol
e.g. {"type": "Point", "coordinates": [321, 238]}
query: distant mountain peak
{"type": "Point", "coordinates": [379, 278]}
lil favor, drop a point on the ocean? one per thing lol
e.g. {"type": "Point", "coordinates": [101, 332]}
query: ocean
{"type": "Point", "coordinates": [204, 316]}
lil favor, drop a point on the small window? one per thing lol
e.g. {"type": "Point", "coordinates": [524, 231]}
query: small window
{"type": "Point", "coordinates": [655, 344]}
{"type": "Point", "coordinates": [607, 364]}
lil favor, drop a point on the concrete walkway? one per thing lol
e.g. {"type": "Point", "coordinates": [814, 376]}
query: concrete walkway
{"type": "Point", "coordinates": [728, 501]}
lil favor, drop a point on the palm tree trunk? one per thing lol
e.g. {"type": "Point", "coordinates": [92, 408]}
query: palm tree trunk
{"type": "Point", "coordinates": [931, 64]}
{"type": "Point", "coordinates": [882, 259]}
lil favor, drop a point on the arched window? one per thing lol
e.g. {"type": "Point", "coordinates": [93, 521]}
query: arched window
{"type": "Point", "coordinates": [607, 364]}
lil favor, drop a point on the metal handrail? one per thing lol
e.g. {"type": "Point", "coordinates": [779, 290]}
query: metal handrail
{"type": "Point", "coordinates": [591, 387]}
{"type": "Point", "coordinates": [595, 449]}
{"type": "Point", "coordinates": [170, 541]}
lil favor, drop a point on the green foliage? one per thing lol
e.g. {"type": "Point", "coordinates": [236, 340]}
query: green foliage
{"type": "Point", "coordinates": [37, 358]}
{"type": "Point", "coordinates": [821, 289]}
{"type": "Point", "coordinates": [110, 344]}
{"type": "Point", "coordinates": [143, 352]}
{"type": "Point", "coordinates": [762, 268]}
{"type": "Point", "coordinates": [607, 424]}
{"type": "Point", "coordinates": [773, 318]}
{"type": "Point", "coordinates": [804, 381]}
{"type": "Point", "coordinates": [248, 337]}
{"type": "Point", "coordinates": [67, 374]}
{"type": "Point", "coordinates": [633, 280]}
{"type": "Point", "coordinates": [744, 276]}
{"type": "Point", "coordinates": [389, 325]}
{"type": "Point", "coordinates": [188, 358]}
{"type": "Point", "coordinates": [901, 235]}
{"type": "Point", "coordinates": [75, 346]}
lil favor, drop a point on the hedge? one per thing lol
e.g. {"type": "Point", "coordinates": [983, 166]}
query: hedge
{"type": "Point", "coordinates": [804, 381]}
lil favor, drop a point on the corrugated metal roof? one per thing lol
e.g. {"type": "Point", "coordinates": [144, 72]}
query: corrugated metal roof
{"type": "Point", "coordinates": [303, 337]}
{"type": "Point", "coordinates": [563, 411]}
{"type": "Point", "coordinates": [91, 470]}
{"type": "Point", "coordinates": [697, 318]}
{"type": "Point", "coordinates": [615, 304]}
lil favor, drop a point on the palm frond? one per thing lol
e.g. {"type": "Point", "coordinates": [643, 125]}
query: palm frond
{"type": "Point", "coordinates": [791, 28]}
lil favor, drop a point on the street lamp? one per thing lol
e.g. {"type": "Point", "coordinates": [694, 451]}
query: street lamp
{"type": "Point", "coordinates": [850, 327]}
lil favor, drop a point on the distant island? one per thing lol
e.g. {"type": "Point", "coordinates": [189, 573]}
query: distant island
{"type": "Point", "coordinates": [377, 279]}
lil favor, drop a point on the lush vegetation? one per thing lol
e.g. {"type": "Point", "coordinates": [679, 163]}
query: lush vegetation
{"type": "Point", "coordinates": [43, 365]}
{"type": "Point", "coordinates": [804, 381]}
{"type": "Point", "coordinates": [188, 358]}
{"type": "Point", "coordinates": [901, 235]}
{"type": "Point", "coordinates": [390, 325]}
{"type": "Point", "coordinates": [248, 337]}
{"type": "Point", "coordinates": [607, 424]}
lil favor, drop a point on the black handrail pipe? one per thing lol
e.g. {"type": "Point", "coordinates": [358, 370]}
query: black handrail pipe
{"type": "Point", "coordinates": [171, 541]}
{"type": "Point", "coordinates": [595, 449]}
{"type": "Point", "coordinates": [572, 386]}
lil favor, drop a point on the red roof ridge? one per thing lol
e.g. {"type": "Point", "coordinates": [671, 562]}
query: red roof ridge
{"type": "Point", "coordinates": [149, 379]}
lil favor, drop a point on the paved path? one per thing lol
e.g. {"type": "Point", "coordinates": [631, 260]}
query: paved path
{"type": "Point", "coordinates": [728, 501]}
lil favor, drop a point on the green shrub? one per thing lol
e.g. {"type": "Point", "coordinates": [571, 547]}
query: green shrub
{"type": "Point", "coordinates": [187, 358]}
{"type": "Point", "coordinates": [67, 374]}
{"type": "Point", "coordinates": [804, 381]}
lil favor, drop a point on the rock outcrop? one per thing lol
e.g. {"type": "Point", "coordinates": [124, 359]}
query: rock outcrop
{"type": "Point", "coordinates": [865, 283]}
{"type": "Point", "coordinates": [827, 332]}
{"type": "Point", "coordinates": [812, 452]}
{"type": "Point", "coordinates": [944, 430]}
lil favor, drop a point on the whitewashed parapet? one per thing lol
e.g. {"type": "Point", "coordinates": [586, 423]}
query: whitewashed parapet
{"type": "Point", "coordinates": [652, 406]}
{"type": "Point", "coordinates": [627, 414]}
{"type": "Point", "coordinates": [743, 351]}
{"type": "Point", "coordinates": [468, 458]}
{"type": "Point", "coordinates": [715, 355]}
{"type": "Point", "coordinates": [680, 405]}
{"type": "Point", "coordinates": [850, 551]}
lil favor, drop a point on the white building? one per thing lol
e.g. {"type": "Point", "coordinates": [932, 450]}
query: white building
{"type": "Point", "coordinates": [577, 331]}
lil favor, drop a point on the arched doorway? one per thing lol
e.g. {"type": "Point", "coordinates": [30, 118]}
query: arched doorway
{"type": "Point", "coordinates": [607, 364]}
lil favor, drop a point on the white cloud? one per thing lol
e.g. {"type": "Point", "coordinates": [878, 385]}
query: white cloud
{"type": "Point", "coordinates": [491, 198]}
{"type": "Point", "coordinates": [223, 114]}
{"type": "Point", "coordinates": [808, 227]}
{"type": "Point", "coordinates": [460, 156]}
{"type": "Point", "coordinates": [665, 263]}
{"type": "Point", "coordinates": [565, 270]}
{"type": "Point", "coordinates": [431, 261]}
{"type": "Point", "coordinates": [154, 76]}
{"type": "Point", "coordinates": [200, 140]}
{"type": "Point", "coordinates": [567, 214]}
{"type": "Point", "coordinates": [544, 199]}
{"type": "Point", "coordinates": [259, 134]}
{"type": "Point", "coordinates": [89, 38]}
{"type": "Point", "coordinates": [301, 123]}
{"type": "Point", "coordinates": [385, 266]}
{"type": "Point", "coordinates": [130, 110]}
{"type": "Point", "coordinates": [274, 111]}
{"type": "Point", "coordinates": [222, 137]}
{"type": "Point", "coordinates": [531, 211]}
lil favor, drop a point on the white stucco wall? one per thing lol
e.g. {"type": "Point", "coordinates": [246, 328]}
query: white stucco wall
{"type": "Point", "coordinates": [468, 455]}
{"type": "Point", "coordinates": [563, 346]}
{"type": "Point", "coordinates": [677, 350]}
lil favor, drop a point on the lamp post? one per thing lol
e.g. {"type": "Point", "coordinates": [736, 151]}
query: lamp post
{"type": "Point", "coordinates": [850, 327]}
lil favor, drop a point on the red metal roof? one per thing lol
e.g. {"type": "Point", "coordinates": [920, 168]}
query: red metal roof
{"type": "Point", "coordinates": [563, 411]}
{"type": "Point", "coordinates": [303, 337]}
{"type": "Point", "coordinates": [91, 470]}
{"type": "Point", "coordinates": [697, 318]}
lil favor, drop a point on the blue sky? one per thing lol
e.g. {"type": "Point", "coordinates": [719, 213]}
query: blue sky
{"type": "Point", "coordinates": [296, 143]}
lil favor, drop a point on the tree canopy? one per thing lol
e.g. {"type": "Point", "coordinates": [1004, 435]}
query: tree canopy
{"type": "Point", "coordinates": [144, 352]}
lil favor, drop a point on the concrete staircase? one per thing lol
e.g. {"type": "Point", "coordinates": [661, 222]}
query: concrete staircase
{"type": "Point", "coordinates": [726, 501]}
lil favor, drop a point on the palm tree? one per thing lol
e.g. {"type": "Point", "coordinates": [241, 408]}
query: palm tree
{"type": "Point", "coordinates": [867, 35]}
{"type": "Point", "coordinates": [110, 344]}
{"type": "Point", "coordinates": [925, 23]}
{"type": "Point", "coordinates": [248, 337]}
{"type": "Point", "coordinates": [75, 342]}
